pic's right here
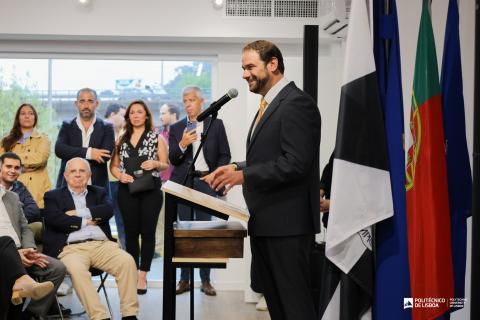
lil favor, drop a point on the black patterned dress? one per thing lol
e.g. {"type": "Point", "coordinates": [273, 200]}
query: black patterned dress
{"type": "Point", "coordinates": [140, 211]}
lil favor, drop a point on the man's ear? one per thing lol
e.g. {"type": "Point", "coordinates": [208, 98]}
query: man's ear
{"type": "Point", "coordinates": [272, 65]}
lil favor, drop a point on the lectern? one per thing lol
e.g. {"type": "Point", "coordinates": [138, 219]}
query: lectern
{"type": "Point", "coordinates": [195, 244]}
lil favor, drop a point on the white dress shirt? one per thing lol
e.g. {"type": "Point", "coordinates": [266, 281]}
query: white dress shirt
{"type": "Point", "coordinates": [86, 231]}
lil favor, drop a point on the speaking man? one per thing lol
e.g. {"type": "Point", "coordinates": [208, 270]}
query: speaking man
{"type": "Point", "coordinates": [280, 179]}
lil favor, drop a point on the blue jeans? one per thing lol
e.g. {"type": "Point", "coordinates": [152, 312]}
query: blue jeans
{"type": "Point", "coordinates": [117, 214]}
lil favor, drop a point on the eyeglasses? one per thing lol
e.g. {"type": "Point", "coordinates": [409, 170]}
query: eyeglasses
{"type": "Point", "coordinates": [89, 101]}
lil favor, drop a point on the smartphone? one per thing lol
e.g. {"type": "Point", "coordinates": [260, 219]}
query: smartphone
{"type": "Point", "coordinates": [191, 126]}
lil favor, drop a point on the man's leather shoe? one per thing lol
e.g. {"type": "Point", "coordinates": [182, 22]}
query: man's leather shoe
{"type": "Point", "coordinates": [54, 310]}
{"type": "Point", "coordinates": [208, 289]}
{"type": "Point", "coordinates": [183, 286]}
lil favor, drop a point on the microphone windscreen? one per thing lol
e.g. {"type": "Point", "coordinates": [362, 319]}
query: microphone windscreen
{"type": "Point", "coordinates": [232, 93]}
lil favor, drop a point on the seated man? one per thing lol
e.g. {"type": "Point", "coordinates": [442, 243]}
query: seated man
{"type": "Point", "coordinates": [12, 168]}
{"type": "Point", "coordinates": [78, 233]}
{"type": "Point", "coordinates": [14, 224]}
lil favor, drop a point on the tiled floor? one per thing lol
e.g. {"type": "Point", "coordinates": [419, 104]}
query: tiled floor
{"type": "Point", "coordinates": [227, 305]}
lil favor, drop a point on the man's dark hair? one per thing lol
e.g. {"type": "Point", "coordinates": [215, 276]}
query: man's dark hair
{"type": "Point", "coordinates": [267, 50]}
{"type": "Point", "coordinates": [113, 108]}
{"type": "Point", "coordinates": [172, 109]}
{"type": "Point", "coordinates": [93, 92]}
{"type": "Point", "coordinates": [10, 155]}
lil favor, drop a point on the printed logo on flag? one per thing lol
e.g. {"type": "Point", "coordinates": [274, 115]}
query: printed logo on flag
{"type": "Point", "coordinates": [407, 303]}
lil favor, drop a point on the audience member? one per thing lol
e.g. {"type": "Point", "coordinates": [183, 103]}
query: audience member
{"type": "Point", "coordinates": [34, 150]}
{"type": "Point", "coordinates": [78, 233]}
{"type": "Point", "coordinates": [86, 136]}
{"type": "Point", "coordinates": [10, 170]}
{"type": "Point", "coordinates": [325, 187]}
{"type": "Point", "coordinates": [184, 140]}
{"type": "Point", "coordinates": [16, 284]}
{"type": "Point", "coordinates": [115, 114]}
{"type": "Point", "coordinates": [168, 116]}
{"type": "Point", "coordinates": [140, 152]}
{"type": "Point", "coordinates": [14, 224]}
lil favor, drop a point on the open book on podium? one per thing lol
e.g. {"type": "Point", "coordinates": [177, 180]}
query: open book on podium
{"type": "Point", "coordinates": [221, 208]}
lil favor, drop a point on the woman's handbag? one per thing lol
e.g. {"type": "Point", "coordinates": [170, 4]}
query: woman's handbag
{"type": "Point", "coordinates": [143, 180]}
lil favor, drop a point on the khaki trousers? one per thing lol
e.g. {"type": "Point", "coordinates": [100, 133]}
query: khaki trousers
{"type": "Point", "coordinates": [106, 256]}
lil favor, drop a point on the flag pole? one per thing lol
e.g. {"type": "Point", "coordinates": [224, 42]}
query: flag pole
{"type": "Point", "coordinates": [475, 274]}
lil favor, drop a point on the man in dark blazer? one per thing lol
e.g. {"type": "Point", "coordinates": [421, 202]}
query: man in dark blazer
{"type": "Point", "coordinates": [78, 233]}
{"type": "Point", "coordinates": [184, 140]}
{"type": "Point", "coordinates": [86, 136]}
{"type": "Point", "coordinates": [280, 179]}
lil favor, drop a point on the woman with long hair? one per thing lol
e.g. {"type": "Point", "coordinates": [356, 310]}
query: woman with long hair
{"type": "Point", "coordinates": [33, 148]}
{"type": "Point", "coordinates": [140, 209]}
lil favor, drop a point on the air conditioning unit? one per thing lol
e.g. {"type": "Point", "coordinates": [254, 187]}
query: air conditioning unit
{"type": "Point", "coordinates": [336, 19]}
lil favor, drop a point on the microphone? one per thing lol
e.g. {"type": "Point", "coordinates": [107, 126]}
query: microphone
{"type": "Point", "coordinates": [216, 105]}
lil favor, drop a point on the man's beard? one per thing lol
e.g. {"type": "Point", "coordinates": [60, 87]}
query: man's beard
{"type": "Point", "coordinates": [86, 114]}
{"type": "Point", "coordinates": [260, 84]}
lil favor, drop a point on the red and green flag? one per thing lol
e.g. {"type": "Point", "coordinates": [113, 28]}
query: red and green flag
{"type": "Point", "coordinates": [428, 215]}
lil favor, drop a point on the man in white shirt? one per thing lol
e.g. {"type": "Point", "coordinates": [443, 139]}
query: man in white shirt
{"type": "Point", "coordinates": [14, 224]}
{"type": "Point", "coordinates": [184, 141]}
{"type": "Point", "coordinates": [86, 136]}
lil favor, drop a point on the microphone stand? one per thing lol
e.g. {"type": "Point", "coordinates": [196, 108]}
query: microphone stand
{"type": "Point", "coordinates": [188, 181]}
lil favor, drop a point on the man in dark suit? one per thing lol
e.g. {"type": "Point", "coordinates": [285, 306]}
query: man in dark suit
{"type": "Point", "coordinates": [78, 233]}
{"type": "Point", "coordinates": [184, 140]}
{"type": "Point", "coordinates": [86, 136]}
{"type": "Point", "coordinates": [280, 179]}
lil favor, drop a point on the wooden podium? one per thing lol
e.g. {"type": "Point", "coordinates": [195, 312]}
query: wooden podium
{"type": "Point", "coordinates": [195, 244]}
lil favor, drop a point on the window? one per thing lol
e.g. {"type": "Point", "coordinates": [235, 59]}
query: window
{"type": "Point", "coordinates": [50, 85]}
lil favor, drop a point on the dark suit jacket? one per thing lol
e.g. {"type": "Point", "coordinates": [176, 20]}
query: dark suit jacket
{"type": "Point", "coordinates": [215, 150]}
{"type": "Point", "coordinates": [58, 225]}
{"type": "Point", "coordinates": [69, 145]}
{"type": "Point", "coordinates": [281, 171]}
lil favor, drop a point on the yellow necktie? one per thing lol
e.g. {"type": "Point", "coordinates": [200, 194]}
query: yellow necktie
{"type": "Point", "coordinates": [261, 110]}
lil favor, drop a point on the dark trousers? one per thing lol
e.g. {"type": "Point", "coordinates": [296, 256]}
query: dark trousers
{"type": "Point", "coordinates": [140, 213]}
{"type": "Point", "coordinates": [255, 278]}
{"type": "Point", "coordinates": [55, 271]}
{"type": "Point", "coordinates": [184, 214]}
{"type": "Point", "coordinates": [117, 214]}
{"type": "Point", "coordinates": [284, 266]}
{"type": "Point", "coordinates": [11, 268]}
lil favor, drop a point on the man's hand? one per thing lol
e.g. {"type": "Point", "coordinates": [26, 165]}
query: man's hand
{"type": "Point", "coordinates": [188, 138]}
{"type": "Point", "coordinates": [90, 222]}
{"type": "Point", "coordinates": [324, 205]}
{"type": "Point", "coordinates": [224, 176]}
{"type": "Point", "coordinates": [99, 155]}
{"type": "Point", "coordinates": [71, 213]}
{"type": "Point", "coordinates": [39, 259]}
{"type": "Point", "coordinates": [24, 256]}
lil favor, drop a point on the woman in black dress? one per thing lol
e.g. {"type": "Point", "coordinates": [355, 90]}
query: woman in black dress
{"type": "Point", "coordinates": [139, 151]}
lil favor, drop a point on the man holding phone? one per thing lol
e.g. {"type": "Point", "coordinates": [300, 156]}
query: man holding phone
{"type": "Point", "coordinates": [86, 136]}
{"type": "Point", "coordinates": [184, 141]}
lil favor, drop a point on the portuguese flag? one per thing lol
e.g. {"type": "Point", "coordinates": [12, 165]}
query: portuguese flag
{"type": "Point", "coordinates": [428, 216]}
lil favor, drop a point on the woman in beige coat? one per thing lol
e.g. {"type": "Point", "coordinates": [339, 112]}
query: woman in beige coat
{"type": "Point", "coordinates": [34, 150]}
